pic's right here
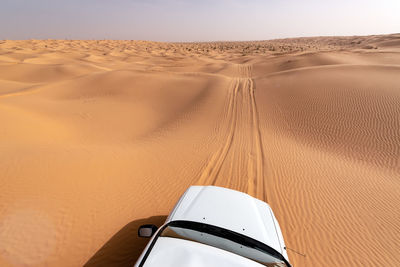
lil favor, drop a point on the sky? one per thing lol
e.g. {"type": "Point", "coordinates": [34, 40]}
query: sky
{"type": "Point", "coordinates": [195, 20]}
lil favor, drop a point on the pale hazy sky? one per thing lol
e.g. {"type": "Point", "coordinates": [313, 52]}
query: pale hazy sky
{"type": "Point", "coordinates": [191, 20]}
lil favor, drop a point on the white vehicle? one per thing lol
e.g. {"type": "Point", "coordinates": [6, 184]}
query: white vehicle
{"type": "Point", "coordinates": [215, 226]}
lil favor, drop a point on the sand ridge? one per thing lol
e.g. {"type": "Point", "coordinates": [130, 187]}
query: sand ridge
{"type": "Point", "coordinates": [98, 137]}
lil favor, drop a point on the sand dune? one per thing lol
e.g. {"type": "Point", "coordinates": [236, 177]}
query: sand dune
{"type": "Point", "coordinates": [98, 137]}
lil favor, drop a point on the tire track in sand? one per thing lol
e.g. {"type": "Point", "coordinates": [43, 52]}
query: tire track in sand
{"type": "Point", "coordinates": [212, 169]}
{"type": "Point", "coordinates": [239, 162]}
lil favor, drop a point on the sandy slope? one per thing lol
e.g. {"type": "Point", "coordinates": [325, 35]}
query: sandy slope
{"type": "Point", "coordinates": [98, 137]}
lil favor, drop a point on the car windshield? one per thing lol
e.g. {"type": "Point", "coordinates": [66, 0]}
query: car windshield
{"type": "Point", "coordinates": [226, 240]}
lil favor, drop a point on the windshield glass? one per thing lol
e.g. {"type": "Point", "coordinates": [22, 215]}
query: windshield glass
{"type": "Point", "coordinates": [226, 240]}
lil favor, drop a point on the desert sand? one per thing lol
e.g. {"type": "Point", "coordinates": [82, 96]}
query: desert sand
{"type": "Point", "coordinates": [98, 137]}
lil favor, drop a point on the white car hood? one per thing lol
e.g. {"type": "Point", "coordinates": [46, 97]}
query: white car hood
{"type": "Point", "coordinates": [231, 210]}
{"type": "Point", "coordinates": [173, 252]}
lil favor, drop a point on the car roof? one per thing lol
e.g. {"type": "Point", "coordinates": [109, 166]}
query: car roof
{"type": "Point", "coordinates": [232, 210]}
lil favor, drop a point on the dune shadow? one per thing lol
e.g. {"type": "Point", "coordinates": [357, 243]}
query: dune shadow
{"type": "Point", "coordinates": [124, 247]}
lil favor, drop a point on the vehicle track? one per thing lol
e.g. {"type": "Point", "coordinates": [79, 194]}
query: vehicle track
{"type": "Point", "coordinates": [239, 162]}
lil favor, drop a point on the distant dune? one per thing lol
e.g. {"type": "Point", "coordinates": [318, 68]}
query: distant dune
{"type": "Point", "coordinates": [98, 137]}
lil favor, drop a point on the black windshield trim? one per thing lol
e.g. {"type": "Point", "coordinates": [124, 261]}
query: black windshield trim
{"type": "Point", "coordinates": [220, 232]}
